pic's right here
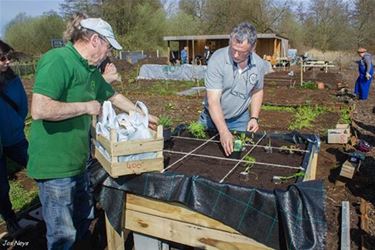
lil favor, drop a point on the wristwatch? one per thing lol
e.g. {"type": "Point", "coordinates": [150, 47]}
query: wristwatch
{"type": "Point", "coordinates": [255, 118]}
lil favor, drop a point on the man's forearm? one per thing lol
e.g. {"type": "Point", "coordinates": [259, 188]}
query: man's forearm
{"type": "Point", "coordinates": [256, 103]}
{"type": "Point", "coordinates": [44, 108]}
{"type": "Point", "coordinates": [217, 117]}
{"type": "Point", "coordinates": [123, 103]}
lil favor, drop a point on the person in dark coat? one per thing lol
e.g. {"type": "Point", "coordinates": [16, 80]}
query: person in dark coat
{"type": "Point", "coordinates": [13, 111]}
{"type": "Point", "coordinates": [365, 74]}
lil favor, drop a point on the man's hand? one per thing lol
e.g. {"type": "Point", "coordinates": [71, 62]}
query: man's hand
{"type": "Point", "coordinates": [226, 140]}
{"type": "Point", "coordinates": [368, 76]}
{"type": "Point", "coordinates": [253, 125]}
{"type": "Point", "coordinates": [93, 107]}
{"type": "Point", "coordinates": [153, 122]}
{"type": "Point", "coordinates": [110, 73]}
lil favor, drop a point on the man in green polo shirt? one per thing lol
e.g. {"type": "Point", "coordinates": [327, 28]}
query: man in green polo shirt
{"type": "Point", "coordinates": [68, 90]}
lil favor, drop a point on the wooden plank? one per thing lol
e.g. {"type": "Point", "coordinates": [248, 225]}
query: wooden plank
{"type": "Point", "coordinates": [187, 233]}
{"type": "Point", "coordinates": [114, 240]}
{"type": "Point", "coordinates": [173, 211]}
{"type": "Point", "coordinates": [310, 173]}
{"type": "Point", "coordinates": [364, 222]}
{"type": "Point", "coordinates": [137, 167]}
{"type": "Point", "coordinates": [116, 169]}
{"type": "Point", "coordinates": [345, 226]}
{"type": "Point", "coordinates": [137, 146]}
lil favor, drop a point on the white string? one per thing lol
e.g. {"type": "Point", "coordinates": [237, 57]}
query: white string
{"type": "Point", "coordinates": [260, 146]}
{"type": "Point", "coordinates": [187, 154]}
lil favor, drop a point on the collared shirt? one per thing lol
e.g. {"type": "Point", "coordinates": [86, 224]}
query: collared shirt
{"type": "Point", "coordinates": [236, 85]}
{"type": "Point", "coordinates": [59, 149]}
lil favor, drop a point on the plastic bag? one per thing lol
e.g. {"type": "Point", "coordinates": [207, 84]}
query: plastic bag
{"type": "Point", "coordinates": [128, 127]}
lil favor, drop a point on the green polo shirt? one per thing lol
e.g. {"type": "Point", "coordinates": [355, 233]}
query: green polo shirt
{"type": "Point", "coordinates": [59, 149]}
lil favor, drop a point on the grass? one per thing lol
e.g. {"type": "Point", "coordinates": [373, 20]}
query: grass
{"type": "Point", "coordinates": [278, 108]}
{"type": "Point", "coordinates": [20, 197]}
{"type": "Point", "coordinates": [305, 115]}
{"type": "Point", "coordinates": [309, 85]}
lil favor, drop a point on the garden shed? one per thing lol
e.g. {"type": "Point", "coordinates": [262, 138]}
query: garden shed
{"type": "Point", "coordinates": [270, 46]}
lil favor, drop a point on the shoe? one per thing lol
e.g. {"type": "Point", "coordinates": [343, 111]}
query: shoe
{"type": "Point", "coordinates": [13, 227]}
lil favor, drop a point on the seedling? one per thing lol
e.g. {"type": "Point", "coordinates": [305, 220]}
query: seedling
{"type": "Point", "coordinates": [197, 130]}
{"type": "Point", "coordinates": [165, 121]}
{"type": "Point", "coordinates": [242, 139]}
{"type": "Point", "coordinates": [281, 179]}
{"type": "Point", "coordinates": [291, 149]}
{"type": "Point", "coordinates": [268, 148]}
{"type": "Point", "coordinates": [250, 161]}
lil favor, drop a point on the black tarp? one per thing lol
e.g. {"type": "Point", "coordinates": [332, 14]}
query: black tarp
{"type": "Point", "coordinates": [281, 219]}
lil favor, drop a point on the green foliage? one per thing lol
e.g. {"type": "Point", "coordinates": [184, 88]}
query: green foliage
{"type": "Point", "coordinates": [305, 115]}
{"type": "Point", "coordinates": [20, 197]}
{"type": "Point", "coordinates": [278, 108]}
{"type": "Point", "coordinates": [309, 85]}
{"type": "Point", "coordinates": [250, 161]}
{"type": "Point", "coordinates": [32, 35]}
{"type": "Point", "coordinates": [90, 7]}
{"type": "Point", "coordinates": [182, 24]}
{"type": "Point", "coordinates": [296, 175]}
{"type": "Point", "coordinates": [197, 130]}
{"type": "Point", "coordinates": [165, 121]}
{"type": "Point", "coordinates": [345, 115]}
{"type": "Point", "coordinates": [137, 24]}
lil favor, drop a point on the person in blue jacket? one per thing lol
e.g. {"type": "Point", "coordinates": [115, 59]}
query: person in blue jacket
{"type": "Point", "coordinates": [184, 55]}
{"type": "Point", "coordinates": [365, 74]}
{"type": "Point", "coordinates": [13, 111]}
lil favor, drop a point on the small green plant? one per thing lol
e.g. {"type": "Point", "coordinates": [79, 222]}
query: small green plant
{"type": "Point", "coordinates": [249, 164]}
{"type": "Point", "coordinates": [345, 115]}
{"type": "Point", "coordinates": [165, 121]}
{"type": "Point", "coordinates": [291, 149]}
{"type": "Point", "coordinates": [309, 85]}
{"type": "Point", "coordinates": [243, 138]}
{"type": "Point", "coordinates": [281, 179]}
{"type": "Point", "coordinates": [197, 130]}
{"type": "Point", "coordinates": [305, 115]}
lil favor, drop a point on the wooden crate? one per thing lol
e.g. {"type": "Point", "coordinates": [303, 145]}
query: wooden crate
{"type": "Point", "coordinates": [115, 149]}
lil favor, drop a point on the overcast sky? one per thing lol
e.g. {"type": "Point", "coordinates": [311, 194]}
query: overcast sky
{"type": "Point", "coordinates": [11, 8]}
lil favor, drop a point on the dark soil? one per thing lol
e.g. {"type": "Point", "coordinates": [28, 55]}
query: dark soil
{"type": "Point", "coordinates": [260, 175]}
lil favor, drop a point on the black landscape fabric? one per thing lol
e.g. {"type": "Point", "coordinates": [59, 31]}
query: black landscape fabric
{"type": "Point", "coordinates": [281, 219]}
{"type": "Point", "coordinates": [291, 219]}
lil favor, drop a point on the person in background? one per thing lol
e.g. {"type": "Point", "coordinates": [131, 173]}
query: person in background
{"type": "Point", "coordinates": [365, 74]}
{"type": "Point", "coordinates": [184, 55]}
{"type": "Point", "coordinates": [207, 54]}
{"type": "Point", "coordinates": [234, 81]}
{"type": "Point", "coordinates": [68, 90]}
{"type": "Point", "coordinates": [13, 111]}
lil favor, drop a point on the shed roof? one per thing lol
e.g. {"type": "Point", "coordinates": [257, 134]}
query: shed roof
{"type": "Point", "coordinates": [214, 37]}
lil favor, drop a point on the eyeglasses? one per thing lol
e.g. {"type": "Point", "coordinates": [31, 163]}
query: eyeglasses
{"type": "Point", "coordinates": [4, 58]}
{"type": "Point", "coordinates": [109, 46]}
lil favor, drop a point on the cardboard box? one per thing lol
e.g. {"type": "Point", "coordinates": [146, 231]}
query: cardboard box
{"type": "Point", "coordinates": [340, 134]}
{"type": "Point", "coordinates": [124, 148]}
{"type": "Point", "coordinates": [348, 169]}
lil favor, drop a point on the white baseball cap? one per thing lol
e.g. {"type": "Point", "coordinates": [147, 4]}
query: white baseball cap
{"type": "Point", "coordinates": [103, 28]}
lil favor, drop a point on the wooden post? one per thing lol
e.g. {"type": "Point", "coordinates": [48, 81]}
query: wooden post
{"type": "Point", "coordinates": [115, 241]}
{"type": "Point", "coordinates": [301, 73]}
{"type": "Point", "coordinates": [345, 226]}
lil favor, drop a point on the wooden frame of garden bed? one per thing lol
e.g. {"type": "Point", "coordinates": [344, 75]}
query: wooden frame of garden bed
{"type": "Point", "coordinates": [175, 222]}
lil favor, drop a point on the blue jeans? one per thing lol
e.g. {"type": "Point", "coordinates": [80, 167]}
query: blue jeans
{"type": "Point", "coordinates": [67, 209]}
{"type": "Point", "coordinates": [18, 153]}
{"type": "Point", "coordinates": [238, 123]}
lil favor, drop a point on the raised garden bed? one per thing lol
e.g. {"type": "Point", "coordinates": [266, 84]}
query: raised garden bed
{"type": "Point", "coordinates": [187, 155]}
